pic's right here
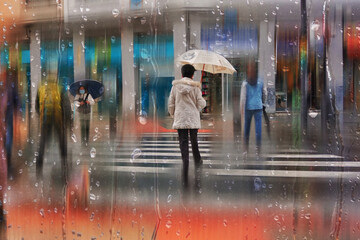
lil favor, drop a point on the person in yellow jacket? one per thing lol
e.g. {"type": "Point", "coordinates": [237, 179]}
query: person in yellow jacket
{"type": "Point", "coordinates": [53, 106]}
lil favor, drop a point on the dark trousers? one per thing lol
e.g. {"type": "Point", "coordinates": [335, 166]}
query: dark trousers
{"type": "Point", "coordinates": [257, 114]}
{"type": "Point", "coordinates": [47, 128]}
{"type": "Point", "coordinates": [184, 148]}
{"type": "Point", "coordinates": [85, 130]}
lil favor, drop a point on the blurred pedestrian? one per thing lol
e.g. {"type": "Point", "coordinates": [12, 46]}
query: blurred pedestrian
{"type": "Point", "coordinates": [9, 101]}
{"type": "Point", "coordinates": [83, 101]}
{"type": "Point", "coordinates": [10, 105]}
{"type": "Point", "coordinates": [53, 106]}
{"type": "Point", "coordinates": [252, 99]}
{"type": "Point", "coordinates": [185, 104]}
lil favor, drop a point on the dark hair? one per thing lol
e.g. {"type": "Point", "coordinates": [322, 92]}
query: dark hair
{"type": "Point", "coordinates": [187, 70]}
{"type": "Point", "coordinates": [251, 72]}
{"type": "Point", "coordinates": [82, 87]}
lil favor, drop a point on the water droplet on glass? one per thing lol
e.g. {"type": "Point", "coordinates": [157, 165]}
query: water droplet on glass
{"type": "Point", "coordinates": [168, 224]}
{"type": "Point", "coordinates": [115, 12]}
{"type": "Point", "coordinates": [20, 153]}
{"type": "Point", "coordinates": [93, 152]}
{"type": "Point", "coordinates": [113, 39]}
{"type": "Point", "coordinates": [97, 183]}
{"type": "Point", "coordinates": [92, 197]}
{"type": "Point", "coordinates": [182, 18]}
{"type": "Point", "coordinates": [73, 137]}
{"type": "Point", "coordinates": [143, 20]}
{"type": "Point", "coordinates": [276, 218]}
{"type": "Point", "coordinates": [95, 137]}
{"type": "Point", "coordinates": [257, 212]}
{"type": "Point", "coordinates": [225, 222]}
{"type": "Point", "coordinates": [313, 114]}
{"type": "Point", "coordinates": [92, 217]}
{"type": "Point", "coordinates": [142, 120]}
{"type": "Point", "coordinates": [257, 184]}
{"type": "Point", "coordinates": [315, 25]}
{"type": "Point", "coordinates": [136, 153]}
{"type": "Point", "coordinates": [169, 198]}
{"type": "Point", "coordinates": [42, 212]}
{"type": "Point", "coordinates": [78, 162]}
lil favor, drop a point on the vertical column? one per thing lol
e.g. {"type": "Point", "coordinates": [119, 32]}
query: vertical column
{"type": "Point", "coordinates": [195, 39]}
{"type": "Point", "coordinates": [179, 43]}
{"type": "Point", "coordinates": [267, 61]}
{"type": "Point", "coordinates": [79, 53]}
{"type": "Point", "coordinates": [35, 64]}
{"type": "Point", "coordinates": [128, 74]}
{"type": "Point", "coordinates": [336, 58]}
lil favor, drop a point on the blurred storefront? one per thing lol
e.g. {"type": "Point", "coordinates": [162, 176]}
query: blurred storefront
{"type": "Point", "coordinates": [132, 49]}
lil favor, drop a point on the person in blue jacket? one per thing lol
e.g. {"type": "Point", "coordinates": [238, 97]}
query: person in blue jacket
{"type": "Point", "coordinates": [252, 99]}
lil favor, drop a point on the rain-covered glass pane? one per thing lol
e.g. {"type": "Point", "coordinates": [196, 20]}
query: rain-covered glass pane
{"type": "Point", "coordinates": [170, 119]}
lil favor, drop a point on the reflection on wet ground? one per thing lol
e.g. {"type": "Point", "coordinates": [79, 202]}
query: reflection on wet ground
{"type": "Point", "coordinates": [131, 189]}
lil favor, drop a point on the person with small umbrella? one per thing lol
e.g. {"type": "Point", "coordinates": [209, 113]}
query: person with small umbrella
{"type": "Point", "coordinates": [252, 99]}
{"type": "Point", "coordinates": [85, 93]}
{"type": "Point", "coordinates": [185, 104]}
{"type": "Point", "coordinates": [83, 101]}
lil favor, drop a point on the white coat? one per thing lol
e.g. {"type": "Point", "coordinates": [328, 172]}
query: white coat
{"type": "Point", "coordinates": [185, 103]}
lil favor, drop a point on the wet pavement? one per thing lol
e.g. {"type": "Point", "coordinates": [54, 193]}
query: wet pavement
{"type": "Point", "coordinates": [130, 188]}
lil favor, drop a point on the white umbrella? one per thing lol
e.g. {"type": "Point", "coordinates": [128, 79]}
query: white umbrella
{"type": "Point", "coordinates": [206, 61]}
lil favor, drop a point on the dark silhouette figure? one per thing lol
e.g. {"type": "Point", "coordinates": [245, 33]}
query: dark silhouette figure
{"type": "Point", "coordinates": [53, 107]}
{"type": "Point", "coordinates": [9, 100]}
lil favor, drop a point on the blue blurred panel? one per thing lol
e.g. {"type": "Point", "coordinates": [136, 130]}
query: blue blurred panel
{"type": "Point", "coordinates": [232, 39]}
{"type": "Point", "coordinates": [135, 4]}
{"type": "Point", "coordinates": [25, 56]}
{"type": "Point", "coordinates": [154, 59]}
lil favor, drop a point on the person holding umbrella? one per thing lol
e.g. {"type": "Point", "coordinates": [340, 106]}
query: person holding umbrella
{"type": "Point", "coordinates": [252, 99]}
{"type": "Point", "coordinates": [185, 104]}
{"type": "Point", "coordinates": [85, 93]}
{"type": "Point", "coordinates": [83, 101]}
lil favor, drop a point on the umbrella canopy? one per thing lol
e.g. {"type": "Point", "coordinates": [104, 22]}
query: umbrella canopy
{"type": "Point", "coordinates": [206, 61]}
{"type": "Point", "coordinates": [95, 88]}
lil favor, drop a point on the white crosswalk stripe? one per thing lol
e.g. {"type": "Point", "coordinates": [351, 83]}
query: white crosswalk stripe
{"type": "Point", "coordinates": [160, 153]}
